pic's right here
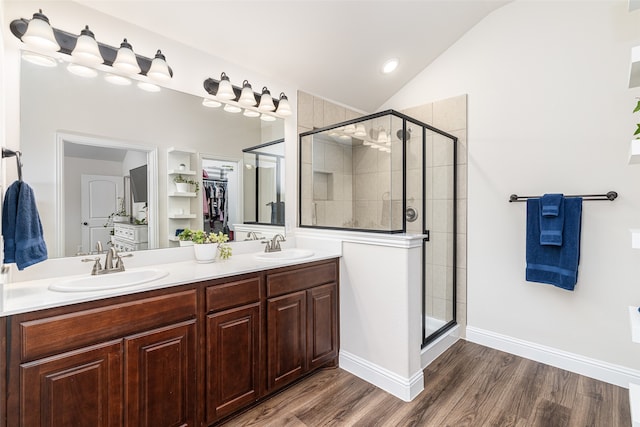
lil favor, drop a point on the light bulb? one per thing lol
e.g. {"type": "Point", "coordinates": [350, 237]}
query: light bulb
{"type": "Point", "coordinates": [39, 33]}
{"type": "Point", "coordinates": [247, 97]}
{"type": "Point", "coordinates": [126, 60]}
{"type": "Point", "coordinates": [87, 50]}
{"type": "Point", "coordinates": [225, 90]}
{"type": "Point", "coordinates": [266, 102]}
{"type": "Point", "coordinates": [159, 70]}
{"type": "Point", "coordinates": [284, 108]}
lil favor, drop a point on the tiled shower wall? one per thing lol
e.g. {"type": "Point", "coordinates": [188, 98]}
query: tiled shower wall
{"type": "Point", "coordinates": [449, 115]}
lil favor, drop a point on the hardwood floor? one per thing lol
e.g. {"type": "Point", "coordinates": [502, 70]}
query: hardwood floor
{"type": "Point", "coordinates": [469, 385]}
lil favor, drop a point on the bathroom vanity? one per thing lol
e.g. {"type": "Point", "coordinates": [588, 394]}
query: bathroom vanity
{"type": "Point", "coordinates": [190, 354]}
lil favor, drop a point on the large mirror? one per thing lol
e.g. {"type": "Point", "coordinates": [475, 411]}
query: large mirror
{"type": "Point", "coordinates": [86, 144]}
{"type": "Point", "coordinates": [264, 184]}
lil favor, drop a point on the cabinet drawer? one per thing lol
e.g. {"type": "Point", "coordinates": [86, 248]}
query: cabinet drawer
{"type": "Point", "coordinates": [64, 332]}
{"type": "Point", "coordinates": [301, 278]}
{"type": "Point", "coordinates": [234, 294]}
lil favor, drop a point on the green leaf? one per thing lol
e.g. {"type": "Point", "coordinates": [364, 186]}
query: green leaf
{"type": "Point", "coordinates": [637, 107]}
{"type": "Point", "coordinates": [637, 130]}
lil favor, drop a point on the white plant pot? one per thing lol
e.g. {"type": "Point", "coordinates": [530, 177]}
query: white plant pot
{"type": "Point", "coordinates": [118, 218]}
{"type": "Point", "coordinates": [183, 187]}
{"type": "Point", "coordinates": [205, 252]}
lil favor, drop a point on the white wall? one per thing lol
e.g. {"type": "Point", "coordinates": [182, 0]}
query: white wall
{"type": "Point", "coordinates": [549, 110]}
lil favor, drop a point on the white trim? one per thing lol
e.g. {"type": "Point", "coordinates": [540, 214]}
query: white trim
{"type": "Point", "coordinates": [405, 241]}
{"type": "Point", "coordinates": [432, 351]}
{"type": "Point", "coordinates": [634, 404]}
{"type": "Point", "coordinates": [403, 388]}
{"type": "Point", "coordinates": [593, 368]}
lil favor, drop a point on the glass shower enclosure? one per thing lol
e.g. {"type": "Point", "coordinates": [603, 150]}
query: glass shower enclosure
{"type": "Point", "coordinates": [388, 173]}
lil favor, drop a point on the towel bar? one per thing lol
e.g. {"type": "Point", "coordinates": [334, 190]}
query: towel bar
{"type": "Point", "coordinates": [611, 196]}
{"type": "Point", "coordinates": [18, 155]}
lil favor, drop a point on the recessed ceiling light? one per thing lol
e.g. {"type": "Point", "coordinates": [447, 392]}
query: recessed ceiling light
{"type": "Point", "coordinates": [390, 66]}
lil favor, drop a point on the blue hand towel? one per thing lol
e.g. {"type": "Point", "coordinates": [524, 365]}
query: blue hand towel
{"type": "Point", "coordinates": [551, 219]}
{"type": "Point", "coordinates": [555, 265]}
{"type": "Point", "coordinates": [21, 227]}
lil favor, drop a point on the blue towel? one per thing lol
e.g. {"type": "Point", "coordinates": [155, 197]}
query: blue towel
{"type": "Point", "coordinates": [21, 227]}
{"type": "Point", "coordinates": [555, 265]}
{"type": "Point", "coordinates": [551, 219]}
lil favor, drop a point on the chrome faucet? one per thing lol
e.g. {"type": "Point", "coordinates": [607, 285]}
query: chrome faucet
{"type": "Point", "coordinates": [112, 254]}
{"type": "Point", "coordinates": [274, 244]}
{"type": "Point", "coordinates": [252, 236]}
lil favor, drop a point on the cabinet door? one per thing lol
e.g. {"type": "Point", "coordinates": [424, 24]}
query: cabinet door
{"type": "Point", "coordinates": [78, 388]}
{"type": "Point", "coordinates": [286, 339]}
{"type": "Point", "coordinates": [233, 342]}
{"type": "Point", "coordinates": [322, 324]}
{"type": "Point", "coordinates": [160, 377]}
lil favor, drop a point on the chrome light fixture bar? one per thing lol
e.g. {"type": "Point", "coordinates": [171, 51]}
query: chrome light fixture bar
{"type": "Point", "coordinates": [237, 98]}
{"type": "Point", "coordinates": [155, 69]}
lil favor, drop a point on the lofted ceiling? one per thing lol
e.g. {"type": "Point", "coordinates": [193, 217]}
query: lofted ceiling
{"type": "Point", "coordinates": [334, 49]}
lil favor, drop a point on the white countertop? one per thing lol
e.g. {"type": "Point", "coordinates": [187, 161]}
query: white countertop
{"type": "Point", "coordinates": [31, 295]}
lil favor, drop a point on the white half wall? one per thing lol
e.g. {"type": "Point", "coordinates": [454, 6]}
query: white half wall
{"type": "Point", "coordinates": [549, 110]}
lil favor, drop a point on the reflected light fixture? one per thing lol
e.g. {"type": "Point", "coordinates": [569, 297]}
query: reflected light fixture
{"type": "Point", "coordinates": [159, 70]}
{"type": "Point", "coordinates": [266, 102]}
{"type": "Point", "coordinates": [117, 79]}
{"type": "Point", "coordinates": [87, 50]}
{"type": "Point", "coordinates": [267, 117]}
{"type": "Point", "coordinates": [230, 108]}
{"type": "Point", "coordinates": [390, 66]}
{"type": "Point", "coordinates": [360, 131]}
{"type": "Point", "coordinates": [39, 33]}
{"type": "Point", "coordinates": [149, 87]}
{"type": "Point", "coordinates": [126, 60]}
{"type": "Point", "coordinates": [38, 59]}
{"type": "Point", "coordinates": [247, 97]}
{"type": "Point", "coordinates": [211, 103]}
{"type": "Point", "coordinates": [225, 90]}
{"type": "Point", "coordinates": [250, 113]}
{"type": "Point", "coordinates": [284, 109]}
{"type": "Point", "coordinates": [81, 70]}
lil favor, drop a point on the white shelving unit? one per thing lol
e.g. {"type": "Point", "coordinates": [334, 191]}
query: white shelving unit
{"type": "Point", "coordinates": [181, 206]}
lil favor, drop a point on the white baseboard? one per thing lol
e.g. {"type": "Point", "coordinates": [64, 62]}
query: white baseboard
{"type": "Point", "coordinates": [403, 388]}
{"type": "Point", "coordinates": [593, 368]}
{"type": "Point", "coordinates": [432, 351]}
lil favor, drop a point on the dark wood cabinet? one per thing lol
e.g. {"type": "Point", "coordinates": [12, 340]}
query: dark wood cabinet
{"type": "Point", "coordinates": [78, 388]}
{"type": "Point", "coordinates": [302, 322]}
{"type": "Point", "coordinates": [286, 320]}
{"type": "Point", "coordinates": [186, 356]}
{"type": "Point", "coordinates": [160, 376]}
{"type": "Point", "coordinates": [233, 337]}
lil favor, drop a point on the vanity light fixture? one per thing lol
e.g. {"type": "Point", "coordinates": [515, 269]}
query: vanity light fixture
{"type": "Point", "coordinates": [86, 53]}
{"type": "Point", "coordinates": [39, 33]}
{"type": "Point", "coordinates": [266, 101]}
{"type": "Point", "coordinates": [211, 103]}
{"type": "Point", "coordinates": [360, 131]}
{"type": "Point", "coordinates": [284, 109]}
{"type": "Point", "coordinates": [225, 90]}
{"type": "Point", "coordinates": [235, 99]}
{"type": "Point", "coordinates": [86, 50]}
{"type": "Point", "coordinates": [126, 60]}
{"type": "Point", "coordinates": [247, 97]}
{"type": "Point", "coordinates": [159, 70]}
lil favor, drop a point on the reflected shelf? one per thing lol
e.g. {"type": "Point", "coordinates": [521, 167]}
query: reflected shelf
{"type": "Point", "coordinates": [181, 194]}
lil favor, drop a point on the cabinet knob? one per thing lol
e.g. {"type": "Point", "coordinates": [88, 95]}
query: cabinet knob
{"type": "Point", "coordinates": [85, 223]}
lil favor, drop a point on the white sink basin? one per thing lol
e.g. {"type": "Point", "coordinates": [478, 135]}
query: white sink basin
{"type": "Point", "coordinates": [284, 255]}
{"type": "Point", "coordinates": [103, 282]}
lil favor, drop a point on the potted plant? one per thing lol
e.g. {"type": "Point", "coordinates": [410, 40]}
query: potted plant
{"type": "Point", "coordinates": [183, 184]}
{"type": "Point", "coordinates": [207, 245]}
{"type": "Point", "coordinates": [119, 216]}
